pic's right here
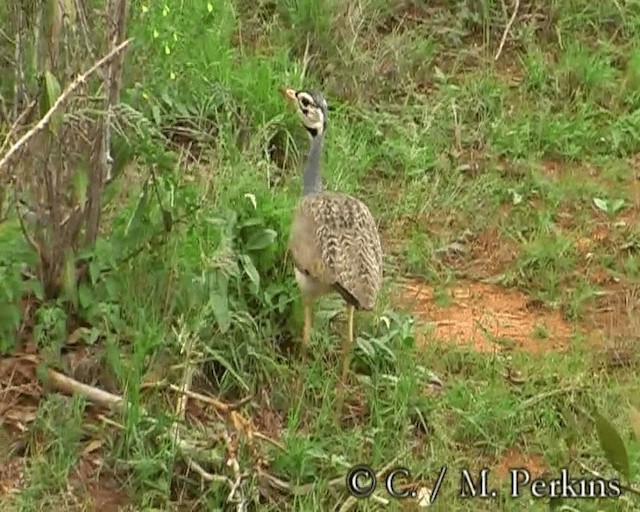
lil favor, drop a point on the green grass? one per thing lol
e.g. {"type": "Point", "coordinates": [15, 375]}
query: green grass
{"type": "Point", "coordinates": [478, 171]}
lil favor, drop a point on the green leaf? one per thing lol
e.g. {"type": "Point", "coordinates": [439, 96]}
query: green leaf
{"type": "Point", "coordinates": [52, 93]}
{"type": "Point", "coordinates": [251, 271]}
{"type": "Point", "coordinates": [253, 221]}
{"type": "Point", "coordinates": [617, 205]}
{"type": "Point", "coordinates": [85, 296]}
{"type": "Point", "coordinates": [140, 209]}
{"type": "Point", "coordinates": [219, 301]}
{"type": "Point", "coordinates": [365, 346]}
{"type": "Point", "coordinates": [155, 113]}
{"type": "Point", "coordinates": [635, 422]}
{"type": "Point", "coordinates": [612, 445]}
{"type": "Point", "coordinates": [260, 240]}
{"type": "Point", "coordinates": [94, 271]}
{"type": "Point", "coordinates": [601, 204]}
{"type": "Point", "coordinates": [380, 344]}
{"type": "Point", "coordinates": [113, 288]}
{"type": "Point", "coordinates": [93, 335]}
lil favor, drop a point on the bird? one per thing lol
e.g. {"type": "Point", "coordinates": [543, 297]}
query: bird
{"type": "Point", "coordinates": [333, 240]}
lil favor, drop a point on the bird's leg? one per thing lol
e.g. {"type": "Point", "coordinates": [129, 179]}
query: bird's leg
{"type": "Point", "coordinates": [306, 335]}
{"type": "Point", "coordinates": [308, 323]}
{"type": "Point", "coordinates": [347, 341]}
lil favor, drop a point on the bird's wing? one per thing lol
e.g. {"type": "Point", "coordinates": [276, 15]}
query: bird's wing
{"type": "Point", "coordinates": [334, 239]}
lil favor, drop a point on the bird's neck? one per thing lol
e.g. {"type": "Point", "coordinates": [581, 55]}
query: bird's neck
{"type": "Point", "coordinates": [312, 180]}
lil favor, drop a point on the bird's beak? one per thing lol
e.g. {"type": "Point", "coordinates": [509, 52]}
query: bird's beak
{"type": "Point", "coordinates": [290, 93]}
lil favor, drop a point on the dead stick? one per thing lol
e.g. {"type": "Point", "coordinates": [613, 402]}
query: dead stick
{"type": "Point", "coordinates": [17, 122]}
{"type": "Point", "coordinates": [73, 387]}
{"type": "Point", "coordinates": [507, 29]}
{"type": "Point", "coordinates": [59, 103]}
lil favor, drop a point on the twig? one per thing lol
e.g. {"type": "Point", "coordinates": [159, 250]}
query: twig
{"type": "Point", "coordinates": [507, 29]}
{"type": "Point", "coordinates": [36, 247]}
{"type": "Point", "coordinates": [261, 436]}
{"type": "Point", "coordinates": [218, 404]}
{"type": "Point", "coordinates": [298, 490]}
{"type": "Point", "coordinates": [17, 122]}
{"type": "Point", "coordinates": [543, 396]}
{"type": "Point", "coordinates": [113, 402]}
{"type": "Point", "coordinates": [205, 475]}
{"type": "Point", "coordinates": [624, 487]}
{"type": "Point", "coordinates": [59, 103]}
{"type": "Point", "coordinates": [95, 395]}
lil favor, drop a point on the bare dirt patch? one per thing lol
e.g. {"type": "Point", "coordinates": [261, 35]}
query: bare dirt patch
{"type": "Point", "coordinates": [98, 493]}
{"type": "Point", "coordinates": [491, 254]}
{"type": "Point", "coordinates": [488, 317]}
{"type": "Point", "coordinates": [514, 458]}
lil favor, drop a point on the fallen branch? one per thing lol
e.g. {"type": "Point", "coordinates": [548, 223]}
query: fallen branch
{"type": "Point", "coordinates": [97, 396]}
{"type": "Point", "coordinates": [190, 452]}
{"type": "Point", "coordinates": [548, 394]}
{"type": "Point", "coordinates": [507, 29]}
{"type": "Point", "coordinates": [59, 103]}
{"type": "Point", "coordinates": [219, 405]}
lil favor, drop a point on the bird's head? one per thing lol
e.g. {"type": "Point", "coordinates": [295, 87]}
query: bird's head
{"type": "Point", "coordinates": [312, 109]}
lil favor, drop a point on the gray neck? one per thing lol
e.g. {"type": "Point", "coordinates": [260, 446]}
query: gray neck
{"type": "Point", "coordinates": [312, 181]}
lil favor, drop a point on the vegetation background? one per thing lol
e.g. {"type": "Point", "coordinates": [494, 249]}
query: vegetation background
{"type": "Point", "coordinates": [497, 144]}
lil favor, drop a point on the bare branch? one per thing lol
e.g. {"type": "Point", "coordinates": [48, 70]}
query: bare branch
{"type": "Point", "coordinates": [507, 29]}
{"type": "Point", "coordinates": [59, 103]}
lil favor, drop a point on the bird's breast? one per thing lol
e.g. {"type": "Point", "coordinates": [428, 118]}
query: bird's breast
{"type": "Point", "coordinates": [311, 287]}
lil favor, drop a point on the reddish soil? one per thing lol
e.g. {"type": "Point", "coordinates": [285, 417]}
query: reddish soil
{"type": "Point", "coordinates": [491, 253]}
{"type": "Point", "coordinates": [481, 315]}
{"type": "Point", "coordinates": [513, 458]}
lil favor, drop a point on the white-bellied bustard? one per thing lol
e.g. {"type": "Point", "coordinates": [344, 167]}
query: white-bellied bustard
{"type": "Point", "coordinates": [334, 240]}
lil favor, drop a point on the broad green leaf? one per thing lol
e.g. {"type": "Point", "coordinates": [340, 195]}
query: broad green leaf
{"type": "Point", "coordinates": [52, 93]}
{"type": "Point", "coordinates": [617, 205]}
{"type": "Point", "coordinates": [85, 296]}
{"type": "Point", "coordinates": [635, 422]}
{"type": "Point", "coordinates": [94, 271]}
{"type": "Point", "coordinates": [155, 113]}
{"type": "Point", "coordinates": [383, 347]}
{"type": "Point", "coordinates": [571, 431]}
{"type": "Point", "coordinates": [251, 271]}
{"type": "Point", "coordinates": [366, 347]}
{"type": "Point", "coordinates": [260, 240]}
{"type": "Point", "coordinates": [601, 204]}
{"type": "Point", "coordinates": [219, 300]}
{"type": "Point", "coordinates": [139, 211]}
{"type": "Point", "coordinates": [113, 288]}
{"type": "Point", "coordinates": [612, 445]}
{"type": "Point", "coordinates": [253, 221]}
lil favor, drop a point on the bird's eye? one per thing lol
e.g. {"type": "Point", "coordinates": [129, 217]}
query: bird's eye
{"type": "Point", "coordinates": [305, 102]}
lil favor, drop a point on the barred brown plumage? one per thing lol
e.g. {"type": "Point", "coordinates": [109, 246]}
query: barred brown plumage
{"type": "Point", "coordinates": [334, 240]}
